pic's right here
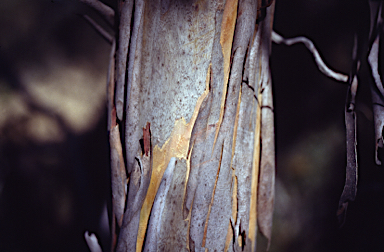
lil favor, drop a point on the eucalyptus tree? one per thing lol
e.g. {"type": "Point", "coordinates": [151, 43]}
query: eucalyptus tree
{"type": "Point", "coordinates": [191, 121]}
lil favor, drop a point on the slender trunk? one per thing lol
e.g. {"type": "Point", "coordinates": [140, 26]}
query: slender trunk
{"type": "Point", "coordinates": [193, 103]}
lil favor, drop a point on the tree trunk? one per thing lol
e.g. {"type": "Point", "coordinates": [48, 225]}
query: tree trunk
{"type": "Point", "coordinates": [191, 125]}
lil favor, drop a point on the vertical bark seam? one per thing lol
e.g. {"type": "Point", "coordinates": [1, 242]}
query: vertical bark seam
{"type": "Point", "coordinates": [212, 197]}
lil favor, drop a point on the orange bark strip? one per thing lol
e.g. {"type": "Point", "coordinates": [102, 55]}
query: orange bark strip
{"type": "Point", "coordinates": [177, 146]}
{"type": "Point", "coordinates": [229, 237]}
{"type": "Point", "coordinates": [226, 38]}
{"type": "Point", "coordinates": [255, 176]}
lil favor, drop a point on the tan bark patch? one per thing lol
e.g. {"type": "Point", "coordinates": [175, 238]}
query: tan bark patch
{"type": "Point", "coordinates": [177, 145]}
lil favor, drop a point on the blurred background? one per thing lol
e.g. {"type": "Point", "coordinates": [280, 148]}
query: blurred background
{"type": "Point", "coordinates": [54, 153]}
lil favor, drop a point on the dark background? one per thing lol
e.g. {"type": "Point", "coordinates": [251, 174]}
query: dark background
{"type": "Point", "coordinates": [54, 163]}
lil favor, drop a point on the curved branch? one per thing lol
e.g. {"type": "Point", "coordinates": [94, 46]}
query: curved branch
{"type": "Point", "coordinates": [104, 10]}
{"type": "Point", "coordinates": [278, 39]}
{"type": "Point", "coordinates": [108, 37]}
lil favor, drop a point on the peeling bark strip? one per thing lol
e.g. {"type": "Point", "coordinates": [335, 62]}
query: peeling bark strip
{"type": "Point", "coordinates": [132, 120]}
{"type": "Point", "coordinates": [124, 33]}
{"type": "Point", "coordinates": [266, 192]}
{"type": "Point", "coordinates": [350, 187]}
{"type": "Point", "coordinates": [118, 175]}
{"type": "Point", "coordinates": [140, 178]}
{"type": "Point", "coordinates": [154, 227]}
{"type": "Point", "coordinates": [377, 92]}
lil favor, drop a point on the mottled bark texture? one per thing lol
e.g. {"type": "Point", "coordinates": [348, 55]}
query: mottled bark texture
{"type": "Point", "coordinates": [192, 103]}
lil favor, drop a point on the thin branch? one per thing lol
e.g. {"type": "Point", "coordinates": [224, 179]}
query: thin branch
{"type": "Point", "coordinates": [108, 37]}
{"type": "Point", "coordinates": [278, 39]}
{"type": "Point", "coordinates": [104, 10]}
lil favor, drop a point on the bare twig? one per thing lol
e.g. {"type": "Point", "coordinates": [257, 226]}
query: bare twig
{"type": "Point", "coordinates": [278, 39]}
{"type": "Point", "coordinates": [104, 10]}
{"type": "Point", "coordinates": [108, 37]}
